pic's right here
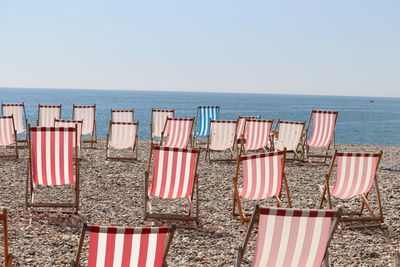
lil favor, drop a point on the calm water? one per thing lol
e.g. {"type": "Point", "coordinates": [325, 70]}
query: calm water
{"type": "Point", "coordinates": [360, 121]}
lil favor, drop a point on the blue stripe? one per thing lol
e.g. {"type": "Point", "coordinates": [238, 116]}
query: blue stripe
{"type": "Point", "coordinates": [206, 114]}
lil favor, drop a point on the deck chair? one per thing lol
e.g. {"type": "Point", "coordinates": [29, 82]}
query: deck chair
{"type": "Point", "coordinates": [7, 261]}
{"type": "Point", "coordinates": [290, 237]}
{"type": "Point", "coordinates": [204, 115]}
{"type": "Point", "coordinates": [256, 135]}
{"type": "Point", "coordinates": [355, 176]}
{"type": "Point", "coordinates": [222, 136]}
{"type": "Point", "coordinates": [289, 134]}
{"type": "Point", "coordinates": [122, 135]}
{"type": "Point", "coordinates": [174, 176]}
{"type": "Point", "coordinates": [323, 133]}
{"type": "Point", "coordinates": [177, 132]}
{"type": "Point", "coordinates": [125, 246]}
{"type": "Point", "coordinates": [262, 177]}
{"type": "Point", "coordinates": [241, 121]}
{"type": "Point", "coordinates": [88, 115]}
{"type": "Point", "coordinates": [71, 123]}
{"type": "Point", "coordinates": [20, 121]}
{"type": "Point", "coordinates": [53, 161]}
{"type": "Point", "coordinates": [157, 122]}
{"type": "Point", "coordinates": [8, 136]}
{"type": "Point", "coordinates": [122, 115]}
{"type": "Point", "coordinates": [47, 114]}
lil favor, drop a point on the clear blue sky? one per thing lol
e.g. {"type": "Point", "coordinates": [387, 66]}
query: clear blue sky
{"type": "Point", "coordinates": [329, 47]}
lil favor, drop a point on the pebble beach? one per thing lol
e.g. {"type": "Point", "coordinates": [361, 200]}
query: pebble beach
{"type": "Point", "coordinates": [112, 193]}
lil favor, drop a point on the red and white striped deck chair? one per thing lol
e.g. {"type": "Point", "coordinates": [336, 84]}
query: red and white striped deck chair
{"type": "Point", "coordinates": [355, 177]}
{"type": "Point", "coordinates": [20, 121]}
{"type": "Point", "coordinates": [262, 177]}
{"type": "Point", "coordinates": [53, 162]}
{"type": "Point", "coordinates": [177, 132]}
{"type": "Point", "coordinates": [174, 176]}
{"type": "Point", "coordinates": [290, 237]}
{"type": "Point", "coordinates": [111, 246]}
{"type": "Point", "coordinates": [7, 257]}
{"type": "Point", "coordinates": [8, 136]}
{"type": "Point", "coordinates": [88, 115]}
{"type": "Point", "coordinates": [47, 114]}
{"type": "Point", "coordinates": [122, 135]}
{"type": "Point", "coordinates": [323, 132]}
{"type": "Point", "coordinates": [289, 134]}
{"type": "Point", "coordinates": [222, 136]}
{"type": "Point", "coordinates": [256, 134]}
{"type": "Point", "coordinates": [157, 122]}
{"type": "Point", "coordinates": [122, 115]}
{"type": "Point", "coordinates": [241, 121]}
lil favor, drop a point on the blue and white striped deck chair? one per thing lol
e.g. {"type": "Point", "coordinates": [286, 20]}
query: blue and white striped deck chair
{"type": "Point", "coordinates": [203, 118]}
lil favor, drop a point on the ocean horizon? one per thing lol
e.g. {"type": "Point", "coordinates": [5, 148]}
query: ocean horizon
{"type": "Point", "coordinates": [361, 120]}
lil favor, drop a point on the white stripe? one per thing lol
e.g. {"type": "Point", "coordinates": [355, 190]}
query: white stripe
{"type": "Point", "coordinates": [187, 174]}
{"type": "Point", "coordinates": [341, 179]}
{"type": "Point", "coordinates": [249, 178]}
{"type": "Point", "coordinates": [101, 246]}
{"type": "Point", "coordinates": [316, 236]}
{"type": "Point", "coordinates": [168, 177]}
{"type": "Point", "coordinates": [359, 175]}
{"type": "Point", "coordinates": [269, 233]}
{"type": "Point", "coordinates": [351, 176]}
{"type": "Point", "coordinates": [135, 247]}
{"type": "Point", "coordinates": [160, 171]}
{"type": "Point", "coordinates": [284, 241]}
{"type": "Point", "coordinates": [39, 156]}
{"type": "Point", "coordinates": [275, 174]}
{"type": "Point", "coordinates": [178, 175]}
{"type": "Point", "coordinates": [66, 154]}
{"type": "Point", "coordinates": [119, 246]}
{"type": "Point", "coordinates": [57, 157]}
{"type": "Point", "coordinates": [151, 249]}
{"type": "Point", "coordinates": [300, 239]}
{"type": "Point", "coordinates": [258, 177]}
{"type": "Point", "coordinates": [48, 158]}
{"type": "Point", "coordinates": [370, 165]}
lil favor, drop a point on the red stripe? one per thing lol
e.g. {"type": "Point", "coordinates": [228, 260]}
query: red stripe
{"type": "Point", "coordinates": [159, 255]}
{"type": "Point", "coordinates": [34, 158]}
{"type": "Point", "coordinates": [144, 246]}
{"type": "Point", "coordinates": [173, 175]}
{"type": "Point", "coordinates": [43, 154]}
{"type": "Point", "coordinates": [126, 253]}
{"type": "Point", "coordinates": [164, 173]}
{"type": "Point", "coordinates": [52, 157]}
{"type": "Point", "coordinates": [263, 182]}
{"type": "Point", "coordinates": [62, 167]}
{"type": "Point", "coordinates": [110, 246]}
{"type": "Point", "coordinates": [70, 157]}
{"type": "Point", "coordinates": [191, 175]}
{"type": "Point", "coordinates": [93, 245]}
{"type": "Point", "coordinates": [155, 172]}
{"type": "Point", "coordinates": [270, 164]}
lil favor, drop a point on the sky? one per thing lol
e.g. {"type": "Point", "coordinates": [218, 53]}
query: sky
{"type": "Point", "coordinates": [324, 47]}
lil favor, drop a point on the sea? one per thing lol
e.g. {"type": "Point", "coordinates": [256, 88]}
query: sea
{"type": "Point", "coordinates": [361, 120]}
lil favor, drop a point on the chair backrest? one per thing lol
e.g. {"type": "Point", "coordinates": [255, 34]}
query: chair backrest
{"type": "Point", "coordinates": [7, 130]}
{"type": "Point", "coordinates": [158, 119]}
{"type": "Point", "coordinates": [122, 134]}
{"type": "Point", "coordinates": [292, 237]}
{"type": "Point", "coordinates": [51, 155]}
{"type": "Point", "coordinates": [262, 174]}
{"type": "Point", "coordinates": [323, 129]}
{"type": "Point", "coordinates": [257, 133]}
{"type": "Point", "coordinates": [128, 246]}
{"type": "Point", "coordinates": [355, 173]}
{"type": "Point", "coordinates": [289, 135]}
{"type": "Point", "coordinates": [178, 132]}
{"type": "Point", "coordinates": [122, 115]}
{"type": "Point", "coordinates": [71, 123]}
{"type": "Point", "coordinates": [174, 172]}
{"type": "Point", "coordinates": [18, 112]}
{"type": "Point", "coordinates": [204, 115]}
{"type": "Point", "coordinates": [87, 114]}
{"type": "Point", "coordinates": [222, 134]}
{"type": "Point", "coordinates": [47, 114]}
{"type": "Point", "coordinates": [241, 122]}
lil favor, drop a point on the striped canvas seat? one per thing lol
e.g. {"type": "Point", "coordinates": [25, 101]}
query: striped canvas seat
{"type": "Point", "coordinates": [71, 123]}
{"type": "Point", "coordinates": [126, 246]}
{"type": "Point", "coordinates": [158, 120]}
{"type": "Point", "coordinates": [262, 178]}
{"type": "Point", "coordinates": [355, 176]}
{"type": "Point", "coordinates": [241, 122]}
{"type": "Point", "coordinates": [47, 115]}
{"type": "Point", "coordinates": [290, 237]}
{"type": "Point", "coordinates": [178, 132]}
{"type": "Point", "coordinates": [8, 136]}
{"type": "Point", "coordinates": [323, 129]}
{"type": "Point", "coordinates": [289, 135]}
{"type": "Point", "coordinates": [204, 115]}
{"type": "Point", "coordinates": [122, 115]}
{"type": "Point", "coordinates": [222, 134]}
{"type": "Point", "coordinates": [53, 161]}
{"type": "Point", "coordinates": [257, 134]}
{"type": "Point", "coordinates": [18, 112]}
{"type": "Point", "coordinates": [122, 135]}
{"type": "Point", "coordinates": [7, 257]}
{"type": "Point", "coordinates": [88, 115]}
{"type": "Point", "coordinates": [173, 177]}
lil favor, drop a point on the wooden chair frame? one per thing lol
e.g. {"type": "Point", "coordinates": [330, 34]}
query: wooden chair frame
{"type": "Point", "coordinates": [29, 193]}
{"type": "Point", "coordinates": [134, 147]}
{"type": "Point", "coordinates": [355, 215]}
{"type": "Point", "coordinates": [48, 106]}
{"type": "Point", "coordinates": [196, 121]}
{"type": "Point", "coordinates": [189, 217]}
{"type": "Point", "coordinates": [244, 217]}
{"type": "Point", "coordinates": [164, 138]}
{"type": "Point", "coordinates": [93, 136]}
{"type": "Point", "coordinates": [152, 138]}
{"type": "Point", "coordinates": [168, 240]}
{"type": "Point", "coordinates": [306, 151]}
{"type": "Point", "coordinates": [122, 111]}
{"type": "Point", "coordinates": [7, 254]}
{"type": "Point", "coordinates": [15, 145]}
{"type": "Point", "coordinates": [231, 150]}
{"type": "Point", "coordinates": [297, 155]}
{"type": "Point", "coordinates": [25, 121]}
{"type": "Point", "coordinates": [255, 219]}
